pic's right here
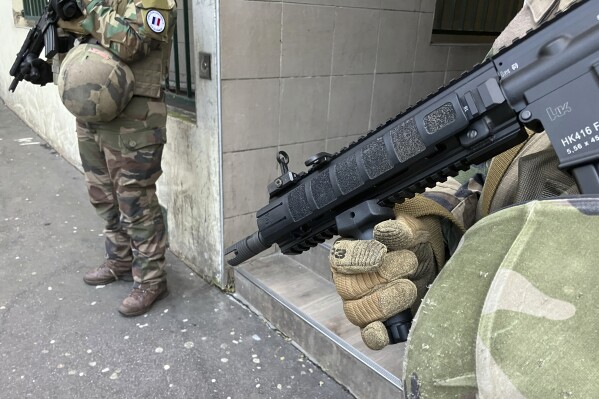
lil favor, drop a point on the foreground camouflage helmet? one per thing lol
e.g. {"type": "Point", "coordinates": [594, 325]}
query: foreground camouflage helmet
{"type": "Point", "coordinates": [94, 84]}
{"type": "Point", "coordinates": [514, 312]}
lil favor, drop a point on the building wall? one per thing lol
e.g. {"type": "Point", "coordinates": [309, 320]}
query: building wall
{"type": "Point", "coordinates": [192, 189]}
{"type": "Point", "coordinates": [307, 76]}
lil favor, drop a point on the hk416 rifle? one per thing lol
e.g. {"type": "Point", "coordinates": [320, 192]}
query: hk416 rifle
{"type": "Point", "coordinates": [548, 80]}
{"type": "Point", "coordinates": [44, 35]}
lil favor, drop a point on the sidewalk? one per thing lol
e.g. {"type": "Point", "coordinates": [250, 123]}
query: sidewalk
{"type": "Point", "coordinates": [60, 338]}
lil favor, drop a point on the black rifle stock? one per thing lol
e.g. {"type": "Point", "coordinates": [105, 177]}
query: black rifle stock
{"type": "Point", "coordinates": [43, 35]}
{"type": "Point", "coordinates": [547, 80]}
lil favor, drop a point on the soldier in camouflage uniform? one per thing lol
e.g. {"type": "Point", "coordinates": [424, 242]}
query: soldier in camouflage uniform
{"type": "Point", "coordinates": [458, 346]}
{"type": "Point", "coordinates": [512, 313]}
{"type": "Point", "coordinates": [112, 84]}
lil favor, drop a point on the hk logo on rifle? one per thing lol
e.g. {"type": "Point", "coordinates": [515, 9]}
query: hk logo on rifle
{"type": "Point", "coordinates": [558, 112]}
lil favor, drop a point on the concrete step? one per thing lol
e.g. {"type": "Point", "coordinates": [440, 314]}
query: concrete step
{"type": "Point", "coordinates": [303, 305]}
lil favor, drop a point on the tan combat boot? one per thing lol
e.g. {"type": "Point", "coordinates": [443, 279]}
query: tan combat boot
{"type": "Point", "coordinates": [109, 271]}
{"type": "Point", "coordinates": [142, 297]}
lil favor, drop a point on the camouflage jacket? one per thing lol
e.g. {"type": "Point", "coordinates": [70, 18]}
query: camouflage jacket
{"type": "Point", "coordinates": [139, 32]}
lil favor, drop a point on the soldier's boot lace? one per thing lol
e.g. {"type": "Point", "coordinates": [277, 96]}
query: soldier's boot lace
{"type": "Point", "coordinates": [109, 271]}
{"type": "Point", "coordinates": [142, 297]}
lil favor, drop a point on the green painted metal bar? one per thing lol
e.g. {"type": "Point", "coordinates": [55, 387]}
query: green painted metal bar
{"type": "Point", "coordinates": [187, 49]}
{"type": "Point", "coordinates": [473, 7]}
{"type": "Point", "coordinates": [33, 9]}
{"type": "Point", "coordinates": [438, 15]}
{"type": "Point", "coordinates": [485, 13]}
{"type": "Point", "coordinates": [452, 8]}
{"type": "Point", "coordinates": [176, 57]}
{"type": "Point", "coordinates": [472, 17]}
{"type": "Point", "coordinates": [464, 14]}
{"type": "Point", "coordinates": [500, 18]}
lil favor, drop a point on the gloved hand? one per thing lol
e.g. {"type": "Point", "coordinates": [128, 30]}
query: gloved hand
{"type": "Point", "coordinates": [36, 70]}
{"type": "Point", "coordinates": [73, 26]}
{"type": "Point", "coordinates": [66, 9]}
{"type": "Point", "coordinates": [379, 278]}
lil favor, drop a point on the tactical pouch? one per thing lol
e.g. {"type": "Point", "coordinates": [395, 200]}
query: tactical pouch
{"type": "Point", "coordinates": [138, 140]}
{"type": "Point", "coordinates": [159, 18]}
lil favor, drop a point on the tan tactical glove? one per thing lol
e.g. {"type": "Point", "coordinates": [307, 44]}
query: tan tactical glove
{"type": "Point", "coordinates": [379, 278]}
{"type": "Point", "coordinates": [73, 26]}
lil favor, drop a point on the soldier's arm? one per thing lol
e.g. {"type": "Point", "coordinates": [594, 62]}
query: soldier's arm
{"type": "Point", "coordinates": [125, 35]}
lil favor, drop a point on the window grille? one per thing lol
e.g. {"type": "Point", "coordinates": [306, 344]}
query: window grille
{"type": "Point", "coordinates": [473, 20]}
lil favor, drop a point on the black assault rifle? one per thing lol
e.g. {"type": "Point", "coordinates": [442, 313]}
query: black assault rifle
{"type": "Point", "coordinates": [43, 35]}
{"type": "Point", "coordinates": [548, 80]}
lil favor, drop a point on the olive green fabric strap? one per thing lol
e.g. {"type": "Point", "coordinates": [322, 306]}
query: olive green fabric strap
{"type": "Point", "coordinates": [497, 170]}
{"type": "Point", "coordinates": [499, 166]}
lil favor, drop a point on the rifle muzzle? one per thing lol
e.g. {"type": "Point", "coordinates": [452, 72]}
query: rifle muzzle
{"type": "Point", "coordinates": [246, 249]}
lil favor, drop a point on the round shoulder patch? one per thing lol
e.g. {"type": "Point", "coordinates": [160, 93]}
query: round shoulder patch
{"type": "Point", "coordinates": [156, 21]}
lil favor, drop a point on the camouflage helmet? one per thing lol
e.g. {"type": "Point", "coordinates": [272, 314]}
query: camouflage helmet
{"type": "Point", "coordinates": [512, 314]}
{"type": "Point", "coordinates": [94, 84]}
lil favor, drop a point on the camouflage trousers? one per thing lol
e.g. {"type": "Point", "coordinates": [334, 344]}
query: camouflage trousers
{"type": "Point", "coordinates": [122, 162]}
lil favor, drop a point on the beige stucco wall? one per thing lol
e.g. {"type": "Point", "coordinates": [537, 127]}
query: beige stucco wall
{"type": "Point", "coordinates": [39, 107]}
{"type": "Point", "coordinates": [192, 189]}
